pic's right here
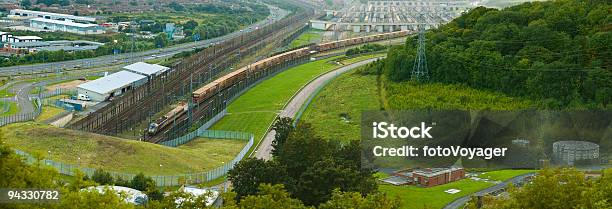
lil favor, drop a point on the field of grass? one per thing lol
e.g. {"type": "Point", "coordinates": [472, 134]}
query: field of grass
{"type": "Point", "coordinates": [256, 109]}
{"type": "Point", "coordinates": [410, 96]}
{"type": "Point", "coordinates": [13, 108]}
{"type": "Point", "coordinates": [48, 112]}
{"type": "Point", "coordinates": [413, 197]}
{"type": "Point", "coordinates": [336, 111]}
{"type": "Point", "coordinates": [115, 154]}
{"type": "Point", "coordinates": [5, 92]}
{"type": "Point", "coordinates": [309, 36]}
{"type": "Point", "coordinates": [502, 175]}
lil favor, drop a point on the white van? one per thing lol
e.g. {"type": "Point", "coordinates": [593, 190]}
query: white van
{"type": "Point", "coordinates": [83, 97]}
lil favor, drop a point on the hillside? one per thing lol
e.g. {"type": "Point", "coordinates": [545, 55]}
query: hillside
{"type": "Point", "coordinates": [557, 52]}
{"type": "Point", "coordinates": [116, 154]}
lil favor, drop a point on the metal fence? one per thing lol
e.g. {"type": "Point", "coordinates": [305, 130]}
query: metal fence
{"type": "Point", "coordinates": [200, 132]}
{"type": "Point", "coordinates": [21, 117]}
{"type": "Point", "coordinates": [58, 91]}
{"type": "Point", "coordinates": [172, 180]}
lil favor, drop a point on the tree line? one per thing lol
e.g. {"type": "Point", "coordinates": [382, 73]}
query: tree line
{"type": "Point", "coordinates": [557, 52]}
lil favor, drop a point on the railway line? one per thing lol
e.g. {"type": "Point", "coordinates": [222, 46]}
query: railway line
{"type": "Point", "coordinates": [214, 97]}
{"type": "Point", "coordinates": [138, 104]}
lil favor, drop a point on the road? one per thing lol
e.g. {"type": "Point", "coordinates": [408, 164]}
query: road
{"type": "Point", "coordinates": [275, 15]}
{"type": "Point", "coordinates": [264, 150]}
{"type": "Point", "coordinates": [459, 203]}
{"type": "Point", "coordinates": [22, 96]}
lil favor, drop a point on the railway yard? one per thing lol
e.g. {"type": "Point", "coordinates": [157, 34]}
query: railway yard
{"type": "Point", "coordinates": [276, 100]}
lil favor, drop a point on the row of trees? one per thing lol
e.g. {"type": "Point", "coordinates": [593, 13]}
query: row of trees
{"type": "Point", "coordinates": [309, 167]}
{"type": "Point", "coordinates": [367, 48]}
{"type": "Point", "coordinates": [555, 50]}
{"type": "Point", "coordinates": [561, 188]}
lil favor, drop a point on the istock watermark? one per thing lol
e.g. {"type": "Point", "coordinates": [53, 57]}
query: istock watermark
{"type": "Point", "coordinates": [485, 139]}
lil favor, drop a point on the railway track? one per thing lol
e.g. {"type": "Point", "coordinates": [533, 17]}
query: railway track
{"type": "Point", "coordinates": [138, 104]}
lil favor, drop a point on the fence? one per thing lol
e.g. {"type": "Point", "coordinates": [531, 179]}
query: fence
{"type": "Point", "coordinates": [197, 133]}
{"type": "Point", "coordinates": [58, 91]}
{"type": "Point", "coordinates": [173, 180]}
{"type": "Point", "coordinates": [21, 117]}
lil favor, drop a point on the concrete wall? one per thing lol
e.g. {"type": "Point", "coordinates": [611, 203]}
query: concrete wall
{"type": "Point", "coordinates": [61, 122]}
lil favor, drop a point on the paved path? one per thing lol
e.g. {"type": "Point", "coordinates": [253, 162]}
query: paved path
{"type": "Point", "coordinates": [458, 203]}
{"type": "Point", "coordinates": [291, 109]}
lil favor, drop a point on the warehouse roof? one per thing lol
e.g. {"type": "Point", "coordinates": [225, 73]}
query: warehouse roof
{"type": "Point", "coordinates": [146, 68]}
{"type": "Point", "coordinates": [112, 82]}
{"type": "Point", "coordinates": [28, 37]}
{"type": "Point", "coordinates": [68, 23]}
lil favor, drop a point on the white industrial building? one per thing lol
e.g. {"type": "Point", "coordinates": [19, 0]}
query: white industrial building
{"type": "Point", "coordinates": [146, 69]}
{"type": "Point", "coordinates": [111, 85]}
{"type": "Point", "coordinates": [66, 26]}
{"type": "Point", "coordinates": [29, 14]}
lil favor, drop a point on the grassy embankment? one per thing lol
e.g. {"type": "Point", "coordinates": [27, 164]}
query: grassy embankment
{"type": "Point", "coordinates": [254, 111]}
{"type": "Point", "coordinates": [116, 154]}
{"type": "Point", "coordinates": [308, 37]}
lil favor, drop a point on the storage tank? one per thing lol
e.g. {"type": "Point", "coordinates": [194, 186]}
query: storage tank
{"type": "Point", "coordinates": [570, 152]}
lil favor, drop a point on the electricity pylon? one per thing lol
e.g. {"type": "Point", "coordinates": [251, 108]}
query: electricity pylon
{"type": "Point", "coordinates": [419, 69]}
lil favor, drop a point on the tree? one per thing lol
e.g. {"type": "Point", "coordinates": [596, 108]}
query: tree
{"type": "Point", "coordinates": [356, 200]}
{"type": "Point", "coordinates": [268, 197]}
{"type": "Point", "coordinates": [102, 177]}
{"type": "Point", "coordinates": [64, 2]}
{"type": "Point", "coordinates": [282, 127]}
{"type": "Point", "coordinates": [161, 40]}
{"type": "Point", "coordinates": [251, 172]}
{"type": "Point", "coordinates": [190, 25]}
{"type": "Point", "coordinates": [26, 3]}
{"type": "Point", "coordinates": [559, 188]}
{"type": "Point", "coordinates": [176, 6]}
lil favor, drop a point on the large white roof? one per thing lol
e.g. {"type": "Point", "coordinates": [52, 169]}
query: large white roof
{"type": "Point", "coordinates": [146, 68]}
{"type": "Point", "coordinates": [60, 22]}
{"type": "Point", "coordinates": [112, 82]}
{"type": "Point", "coordinates": [57, 15]}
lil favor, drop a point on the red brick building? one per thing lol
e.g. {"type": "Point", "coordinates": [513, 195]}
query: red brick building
{"type": "Point", "coordinates": [429, 177]}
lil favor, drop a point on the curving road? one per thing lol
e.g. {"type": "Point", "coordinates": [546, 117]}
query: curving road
{"type": "Point", "coordinates": [275, 15]}
{"type": "Point", "coordinates": [459, 203]}
{"type": "Point", "coordinates": [264, 150]}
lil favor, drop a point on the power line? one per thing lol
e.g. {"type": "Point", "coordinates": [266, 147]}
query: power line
{"type": "Point", "coordinates": [419, 70]}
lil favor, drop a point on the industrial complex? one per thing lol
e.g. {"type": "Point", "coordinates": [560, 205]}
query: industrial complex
{"type": "Point", "coordinates": [118, 83]}
{"type": "Point", "coordinates": [388, 15]}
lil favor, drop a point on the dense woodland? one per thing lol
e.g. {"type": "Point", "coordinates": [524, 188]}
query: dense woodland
{"type": "Point", "coordinates": [556, 52]}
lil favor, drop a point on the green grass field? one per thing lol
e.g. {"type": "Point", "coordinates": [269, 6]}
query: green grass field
{"type": "Point", "coordinates": [48, 112]}
{"type": "Point", "coordinates": [502, 175]}
{"type": "Point", "coordinates": [310, 36]}
{"type": "Point", "coordinates": [6, 92]}
{"type": "Point", "coordinates": [413, 197]}
{"type": "Point", "coordinates": [336, 111]}
{"type": "Point", "coordinates": [13, 108]}
{"type": "Point", "coordinates": [254, 111]}
{"type": "Point", "coordinates": [115, 154]}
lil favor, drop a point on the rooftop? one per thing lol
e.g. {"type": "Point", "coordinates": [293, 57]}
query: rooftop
{"type": "Point", "coordinates": [430, 172]}
{"type": "Point", "coordinates": [27, 37]}
{"type": "Point", "coordinates": [60, 22]}
{"type": "Point", "coordinates": [146, 68]}
{"type": "Point", "coordinates": [112, 82]}
{"type": "Point", "coordinates": [66, 16]}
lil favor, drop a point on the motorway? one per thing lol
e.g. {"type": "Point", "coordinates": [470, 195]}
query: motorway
{"type": "Point", "coordinates": [264, 150]}
{"type": "Point", "coordinates": [459, 203]}
{"type": "Point", "coordinates": [127, 58]}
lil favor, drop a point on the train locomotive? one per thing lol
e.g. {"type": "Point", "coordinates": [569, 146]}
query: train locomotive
{"type": "Point", "coordinates": [162, 122]}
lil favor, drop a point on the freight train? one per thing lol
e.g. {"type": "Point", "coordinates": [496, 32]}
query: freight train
{"type": "Point", "coordinates": [213, 88]}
